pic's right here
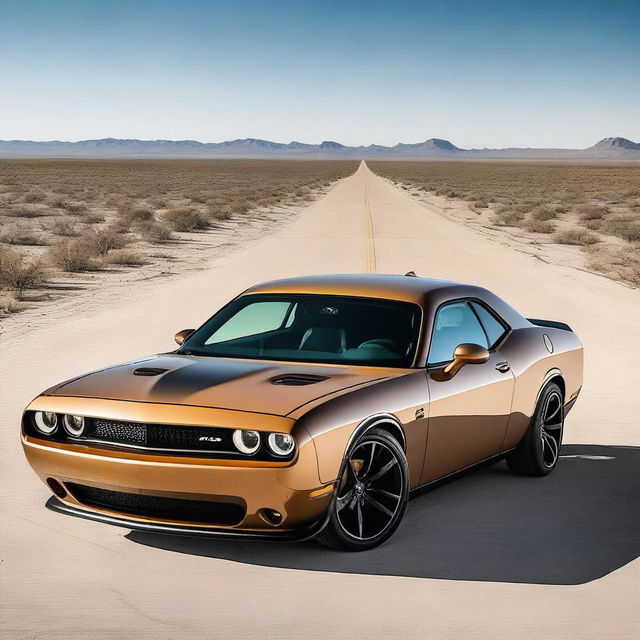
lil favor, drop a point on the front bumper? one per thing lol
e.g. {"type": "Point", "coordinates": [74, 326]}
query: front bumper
{"type": "Point", "coordinates": [295, 535]}
{"type": "Point", "coordinates": [292, 489]}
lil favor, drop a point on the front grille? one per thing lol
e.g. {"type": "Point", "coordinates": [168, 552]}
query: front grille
{"type": "Point", "coordinates": [159, 436]}
{"type": "Point", "coordinates": [200, 511]}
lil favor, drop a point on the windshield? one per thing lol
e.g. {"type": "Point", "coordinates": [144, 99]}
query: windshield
{"type": "Point", "coordinates": [311, 328]}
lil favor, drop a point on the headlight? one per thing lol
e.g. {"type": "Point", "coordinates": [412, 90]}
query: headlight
{"type": "Point", "coordinates": [46, 421]}
{"type": "Point", "coordinates": [281, 443]}
{"type": "Point", "coordinates": [246, 441]}
{"type": "Point", "coordinates": [74, 425]}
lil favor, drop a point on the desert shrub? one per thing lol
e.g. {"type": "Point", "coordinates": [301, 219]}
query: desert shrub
{"type": "Point", "coordinates": [17, 272]}
{"type": "Point", "coordinates": [9, 304]}
{"type": "Point", "coordinates": [185, 219]}
{"type": "Point", "coordinates": [480, 204]}
{"type": "Point", "coordinates": [75, 255]}
{"type": "Point", "coordinates": [29, 212]}
{"type": "Point", "coordinates": [216, 212]}
{"type": "Point", "coordinates": [104, 240]}
{"type": "Point", "coordinates": [575, 236]}
{"type": "Point", "coordinates": [539, 226]}
{"type": "Point", "coordinates": [154, 232]}
{"type": "Point", "coordinates": [591, 211]}
{"type": "Point", "coordinates": [64, 227]}
{"type": "Point", "coordinates": [22, 235]}
{"type": "Point", "coordinates": [543, 213]}
{"type": "Point", "coordinates": [130, 214]}
{"type": "Point", "coordinates": [74, 207]}
{"type": "Point", "coordinates": [626, 228]}
{"type": "Point", "coordinates": [92, 217]}
{"type": "Point", "coordinates": [615, 263]}
{"type": "Point", "coordinates": [157, 202]}
{"type": "Point", "coordinates": [33, 197]}
{"type": "Point", "coordinates": [126, 257]}
{"type": "Point", "coordinates": [509, 216]}
{"type": "Point", "coordinates": [562, 209]}
{"type": "Point", "coordinates": [57, 202]}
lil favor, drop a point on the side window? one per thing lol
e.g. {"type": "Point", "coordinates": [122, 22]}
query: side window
{"type": "Point", "coordinates": [255, 318]}
{"type": "Point", "coordinates": [495, 330]}
{"type": "Point", "coordinates": [454, 324]}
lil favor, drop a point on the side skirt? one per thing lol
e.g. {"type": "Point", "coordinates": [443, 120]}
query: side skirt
{"type": "Point", "coordinates": [455, 475]}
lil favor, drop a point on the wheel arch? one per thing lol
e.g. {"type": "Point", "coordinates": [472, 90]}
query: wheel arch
{"type": "Point", "coordinates": [553, 375]}
{"type": "Point", "coordinates": [384, 421]}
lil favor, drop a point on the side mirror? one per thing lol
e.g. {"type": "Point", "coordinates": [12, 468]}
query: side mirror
{"type": "Point", "coordinates": [465, 353]}
{"type": "Point", "coordinates": [181, 336]}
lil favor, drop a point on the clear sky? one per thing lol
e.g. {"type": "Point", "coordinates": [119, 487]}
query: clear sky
{"type": "Point", "coordinates": [538, 73]}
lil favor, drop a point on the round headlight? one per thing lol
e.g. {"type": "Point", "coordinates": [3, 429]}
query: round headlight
{"type": "Point", "coordinates": [46, 421]}
{"type": "Point", "coordinates": [74, 425]}
{"type": "Point", "coordinates": [281, 443]}
{"type": "Point", "coordinates": [246, 441]}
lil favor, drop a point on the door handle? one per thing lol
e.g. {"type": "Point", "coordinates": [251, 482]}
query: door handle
{"type": "Point", "coordinates": [503, 367]}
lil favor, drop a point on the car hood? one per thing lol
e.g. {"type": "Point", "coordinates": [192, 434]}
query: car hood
{"type": "Point", "coordinates": [224, 383]}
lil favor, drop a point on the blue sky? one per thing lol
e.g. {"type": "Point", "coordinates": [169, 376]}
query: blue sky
{"type": "Point", "coordinates": [496, 74]}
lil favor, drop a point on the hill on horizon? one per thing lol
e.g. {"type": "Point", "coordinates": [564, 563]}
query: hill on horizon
{"type": "Point", "coordinates": [607, 148]}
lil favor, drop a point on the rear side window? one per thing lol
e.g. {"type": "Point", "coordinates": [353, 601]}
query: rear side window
{"type": "Point", "coordinates": [495, 329]}
{"type": "Point", "coordinates": [454, 324]}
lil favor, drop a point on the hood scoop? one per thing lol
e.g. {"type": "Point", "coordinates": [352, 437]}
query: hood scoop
{"type": "Point", "coordinates": [148, 371]}
{"type": "Point", "coordinates": [297, 379]}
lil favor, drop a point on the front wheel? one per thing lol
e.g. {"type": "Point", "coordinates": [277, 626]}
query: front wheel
{"type": "Point", "coordinates": [538, 452]}
{"type": "Point", "coordinates": [371, 494]}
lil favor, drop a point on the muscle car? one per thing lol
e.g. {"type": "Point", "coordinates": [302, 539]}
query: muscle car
{"type": "Point", "coordinates": [309, 407]}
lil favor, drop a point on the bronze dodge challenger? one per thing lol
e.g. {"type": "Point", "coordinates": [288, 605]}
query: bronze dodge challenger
{"type": "Point", "coordinates": [308, 407]}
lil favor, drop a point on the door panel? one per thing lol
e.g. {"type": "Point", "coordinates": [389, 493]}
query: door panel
{"type": "Point", "coordinates": [468, 417]}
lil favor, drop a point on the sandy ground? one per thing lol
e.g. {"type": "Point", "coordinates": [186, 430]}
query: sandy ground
{"type": "Point", "coordinates": [496, 556]}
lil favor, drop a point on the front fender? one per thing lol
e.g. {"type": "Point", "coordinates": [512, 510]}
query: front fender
{"type": "Point", "coordinates": [335, 424]}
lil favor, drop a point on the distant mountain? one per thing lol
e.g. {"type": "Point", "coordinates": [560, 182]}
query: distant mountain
{"type": "Point", "coordinates": [614, 148]}
{"type": "Point", "coordinates": [620, 148]}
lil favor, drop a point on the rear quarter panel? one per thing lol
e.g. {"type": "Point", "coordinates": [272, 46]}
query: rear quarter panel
{"type": "Point", "coordinates": [532, 365]}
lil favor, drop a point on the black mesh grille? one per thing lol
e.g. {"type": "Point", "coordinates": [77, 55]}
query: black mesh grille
{"type": "Point", "coordinates": [125, 432]}
{"type": "Point", "coordinates": [158, 436]}
{"type": "Point", "coordinates": [202, 511]}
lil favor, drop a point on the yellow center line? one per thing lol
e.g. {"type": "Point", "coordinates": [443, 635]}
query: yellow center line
{"type": "Point", "coordinates": [371, 247]}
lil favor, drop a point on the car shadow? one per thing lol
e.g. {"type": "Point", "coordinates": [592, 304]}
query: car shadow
{"type": "Point", "coordinates": [577, 525]}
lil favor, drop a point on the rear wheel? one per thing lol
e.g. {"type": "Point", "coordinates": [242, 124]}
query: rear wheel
{"type": "Point", "coordinates": [538, 452]}
{"type": "Point", "coordinates": [371, 494]}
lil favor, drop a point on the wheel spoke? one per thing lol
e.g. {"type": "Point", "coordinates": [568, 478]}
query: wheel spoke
{"type": "Point", "coordinates": [386, 494]}
{"type": "Point", "coordinates": [342, 501]}
{"type": "Point", "coordinates": [553, 427]}
{"type": "Point", "coordinates": [554, 413]}
{"type": "Point", "coordinates": [359, 519]}
{"type": "Point", "coordinates": [549, 444]}
{"type": "Point", "coordinates": [373, 454]}
{"type": "Point", "coordinates": [380, 507]}
{"type": "Point", "coordinates": [392, 463]}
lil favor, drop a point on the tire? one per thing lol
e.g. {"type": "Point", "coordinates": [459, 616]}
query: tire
{"type": "Point", "coordinates": [539, 450]}
{"type": "Point", "coordinates": [371, 494]}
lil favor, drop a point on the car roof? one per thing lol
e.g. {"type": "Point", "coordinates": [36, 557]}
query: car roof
{"type": "Point", "coordinates": [386, 286]}
{"type": "Point", "coordinates": [429, 293]}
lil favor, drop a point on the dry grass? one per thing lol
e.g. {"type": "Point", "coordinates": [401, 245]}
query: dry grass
{"type": "Point", "coordinates": [588, 202]}
{"type": "Point", "coordinates": [18, 272]}
{"type": "Point", "coordinates": [185, 219]}
{"type": "Point", "coordinates": [88, 215]}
